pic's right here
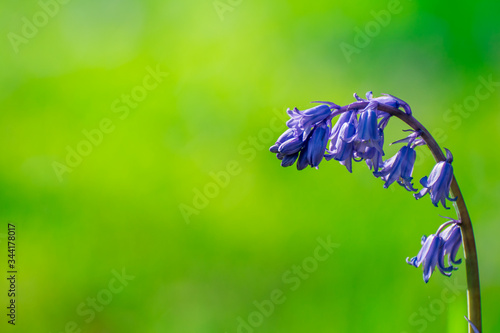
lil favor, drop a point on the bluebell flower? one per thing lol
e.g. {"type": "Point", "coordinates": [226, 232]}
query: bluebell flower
{"type": "Point", "coordinates": [285, 141]}
{"type": "Point", "coordinates": [371, 152]}
{"type": "Point", "coordinates": [435, 248]}
{"type": "Point", "coordinates": [343, 118]}
{"type": "Point", "coordinates": [387, 100]}
{"type": "Point", "coordinates": [439, 182]}
{"type": "Point", "coordinates": [306, 138]}
{"type": "Point", "coordinates": [369, 137]}
{"type": "Point", "coordinates": [314, 146]}
{"type": "Point", "coordinates": [304, 121]}
{"type": "Point", "coordinates": [291, 146]}
{"type": "Point", "coordinates": [368, 127]}
{"type": "Point", "coordinates": [399, 168]}
{"type": "Point", "coordinates": [342, 149]}
{"type": "Point", "coordinates": [452, 237]}
{"type": "Point", "coordinates": [288, 134]}
{"type": "Point", "coordinates": [394, 102]}
{"type": "Point", "coordinates": [429, 256]}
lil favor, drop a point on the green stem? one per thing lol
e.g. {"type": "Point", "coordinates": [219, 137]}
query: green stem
{"type": "Point", "coordinates": [470, 254]}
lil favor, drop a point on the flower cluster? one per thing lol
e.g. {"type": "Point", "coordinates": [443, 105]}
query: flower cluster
{"type": "Point", "coordinates": [358, 135]}
{"type": "Point", "coordinates": [436, 247]}
{"type": "Point", "coordinates": [306, 138]}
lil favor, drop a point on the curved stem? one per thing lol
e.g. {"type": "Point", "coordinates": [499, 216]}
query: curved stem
{"type": "Point", "coordinates": [470, 254]}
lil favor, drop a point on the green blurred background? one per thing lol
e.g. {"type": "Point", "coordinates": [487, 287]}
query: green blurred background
{"type": "Point", "coordinates": [226, 71]}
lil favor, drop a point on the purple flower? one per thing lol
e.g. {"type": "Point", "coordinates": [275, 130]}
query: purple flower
{"type": "Point", "coordinates": [399, 167]}
{"type": "Point", "coordinates": [435, 248]}
{"type": "Point", "coordinates": [370, 151]}
{"type": "Point", "coordinates": [288, 134]}
{"type": "Point", "coordinates": [343, 118]}
{"type": "Point", "coordinates": [438, 183]}
{"type": "Point", "coordinates": [387, 100]}
{"type": "Point", "coordinates": [304, 121]}
{"type": "Point", "coordinates": [342, 148]}
{"type": "Point", "coordinates": [394, 102]}
{"type": "Point", "coordinates": [368, 127]}
{"type": "Point", "coordinates": [452, 237]}
{"type": "Point", "coordinates": [306, 137]}
{"type": "Point", "coordinates": [429, 256]}
{"type": "Point", "coordinates": [314, 146]}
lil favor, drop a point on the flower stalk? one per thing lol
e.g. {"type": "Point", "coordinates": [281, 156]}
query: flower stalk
{"type": "Point", "coordinates": [468, 241]}
{"type": "Point", "coordinates": [362, 138]}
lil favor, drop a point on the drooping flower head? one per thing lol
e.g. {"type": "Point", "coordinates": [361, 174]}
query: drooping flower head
{"type": "Point", "coordinates": [370, 152]}
{"type": "Point", "coordinates": [452, 237]}
{"type": "Point", "coordinates": [306, 138]}
{"type": "Point", "coordinates": [343, 119]}
{"type": "Point", "coordinates": [304, 121]}
{"type": "Point", "coordinates": [342, 148]}
{"type": "Point", "coordinates": [436, 247]}
{"type": "Point", "coordinates": [314, 146]}
{"type": "Point", "coordinates": [284, 143]}
{"type": "Point", "coordinates": [439, 182]}
{"type": "Point", "coordinates": [429, 256]}
{"type": "Point", "coordinates": [400, 167]}
{"type": "Point", "coordinates": [368, 126]}
{"type": "Point", "coordinates": [359, 135]}
{"type": "Point", "coordinates": [370, 133]}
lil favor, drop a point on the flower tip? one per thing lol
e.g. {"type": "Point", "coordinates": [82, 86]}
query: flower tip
{"type": "Point", "coordinates": [471, 324]}
{"type": "Point", "coordinates": [449, 156]}
{"type": "Point", "coordinates": [274, 149]}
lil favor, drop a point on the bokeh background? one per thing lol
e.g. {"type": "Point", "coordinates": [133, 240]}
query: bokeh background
{"type": "Point", "coordinates": [225, 73]}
